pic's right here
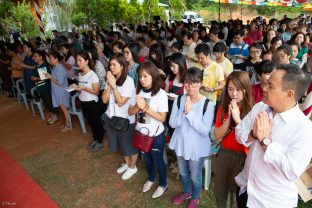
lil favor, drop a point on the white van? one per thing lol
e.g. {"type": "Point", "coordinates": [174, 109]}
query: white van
{"type": "Point", "coordinates": [193, 16]}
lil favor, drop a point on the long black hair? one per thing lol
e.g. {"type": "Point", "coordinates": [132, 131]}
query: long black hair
{"type": "Point", "coordinates": [85, 56]}
{"type": "Point", "coordinates": [158, 51]}
{"type": "Point", "coordinates": [178, 59]}
{"type": "Point", "coordinates": [151, 69]}
{"type": "Point", "coordinates": [121, 59]}
{"type": "Point", "coordinates": [134, 49]}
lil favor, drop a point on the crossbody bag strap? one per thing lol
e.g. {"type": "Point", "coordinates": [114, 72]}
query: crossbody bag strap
{"type": "Point", "coordinates": [157, 130]}
{"type": "Point", "coordinates": [240, 51]}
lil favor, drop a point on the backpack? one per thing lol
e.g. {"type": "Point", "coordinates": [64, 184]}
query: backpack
{"type": "Point", "coordinates": [204, 108]}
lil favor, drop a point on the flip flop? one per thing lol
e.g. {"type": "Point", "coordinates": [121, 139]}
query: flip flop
{"type": "Point", "coordinates": [52, 121]}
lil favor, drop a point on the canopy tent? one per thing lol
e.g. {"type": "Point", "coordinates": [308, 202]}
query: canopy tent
{"type": "Point", "coordinates": [263, 2]}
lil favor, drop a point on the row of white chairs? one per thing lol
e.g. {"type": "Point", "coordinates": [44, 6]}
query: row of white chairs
{"type": "Point", "coordinates": [19, 92]}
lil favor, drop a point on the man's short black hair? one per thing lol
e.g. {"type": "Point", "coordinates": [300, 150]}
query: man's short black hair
{"type": "Point", "coordinates": [295, 79]}
{"type": "Point", "coordinates": [202, 48]}
{"type": "Point", "coordinates": [214, 30]}
{"type": "Point", "coordinates": [286, 48]}
{"type": "Point", "coordinates": [238, 32]}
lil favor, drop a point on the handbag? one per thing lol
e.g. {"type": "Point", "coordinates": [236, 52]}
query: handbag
{"type": "Point", "coordinates": [119, 123]}
{"type": "Point", "coordinates": [143, 142]}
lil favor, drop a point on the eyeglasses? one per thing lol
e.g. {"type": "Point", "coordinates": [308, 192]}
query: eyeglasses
{"type": "Point", "coordinates": [191, 84]}
{"type": "Point", "coordinates": [255, 52]}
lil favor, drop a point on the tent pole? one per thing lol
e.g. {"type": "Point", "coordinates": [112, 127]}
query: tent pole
{"type": "Point", "coordinates": [149, 10]}
{"type": "Point", "coordinates": [219, 11]}
{"type": "Point", "coordinates": [182, 7]}
{"type": "Point", "coordinates": [242, 12]}
{"type": "Point", "coordinates": [169, 12]}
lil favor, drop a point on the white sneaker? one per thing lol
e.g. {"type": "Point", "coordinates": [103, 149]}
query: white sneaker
{"type": "Point", "coordinates": [147, 186]}
{"type": "Point", "coordinates": [122, 168]}
{"type": "Point", "coordinates": [159, 192]}
{"type": "Point", "coordinates": [129, 173]}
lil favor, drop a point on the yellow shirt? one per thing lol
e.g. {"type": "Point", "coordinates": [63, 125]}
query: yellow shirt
{"type": "Point", "coordinates": [227, 67]}
{"type": "Point", "coordinates": [212, 75]}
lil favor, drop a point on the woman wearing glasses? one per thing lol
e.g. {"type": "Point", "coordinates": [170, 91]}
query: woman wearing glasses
{"type": "Point", "coordinates": [255, 51]}
{"type": "Point", "coordinates": [192, 118]}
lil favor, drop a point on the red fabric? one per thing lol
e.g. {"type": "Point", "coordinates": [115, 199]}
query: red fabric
{"type": "Point", "coordinates": [229, 142]}
{"type": "Point", "coordinates": [310, 88]}
{"type": "Point", "coordinates": [141, 59]}
{"type": "Point", "coordinates": [18, 189]}
{"type": "Point", "coordinates": [257, 93]}
{"type": "Point", "coordinates": [170, 87]}
{"type": "Point", "coordinates": [248, 40]}
{"type": "Point", "coordinates": [308, 110]}
{"type": "Point", "coordinates": [255, 35]}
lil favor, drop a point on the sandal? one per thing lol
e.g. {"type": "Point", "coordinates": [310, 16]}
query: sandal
{"type": "Point", "coordinates": [65, 128]}
{"type": "Point", "coordinates": [62, 126]}
{"type": "Point", "coordinates": [52, 121]}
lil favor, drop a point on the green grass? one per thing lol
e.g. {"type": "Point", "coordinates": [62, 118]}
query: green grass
{"type": "Point", "coordinates": [75, 177]}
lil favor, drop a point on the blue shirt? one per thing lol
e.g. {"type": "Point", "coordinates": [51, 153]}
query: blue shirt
{"type": "Point", "coordinates": [190, 139]}
{"type": "Point", "coordinates": [133, 73]}
{"type": "Point", "coordinates": [237, 50]}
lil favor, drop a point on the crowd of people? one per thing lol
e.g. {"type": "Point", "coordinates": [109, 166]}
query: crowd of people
{"type": "Point", "coordinates": [237, 83]}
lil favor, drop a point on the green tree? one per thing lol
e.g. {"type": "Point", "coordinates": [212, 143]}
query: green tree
{"type": "Point", "coordinates": [21, 19]}
{"type": "Point", "coordinates": [151, 9]}
{"type": "Point", "coordinates": [79, 19]}
{"type": "Point", "coordinates": [4, 8]}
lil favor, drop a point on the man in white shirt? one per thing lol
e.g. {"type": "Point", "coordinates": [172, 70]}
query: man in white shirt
{"type": "Point", "coordinates": [279, 139]}
{"type": "Point", "coordinates": [188, 50]}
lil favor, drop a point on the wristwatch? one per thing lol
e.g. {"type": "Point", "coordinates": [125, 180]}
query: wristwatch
{"type": "Point", "coordinates": [266, 141]}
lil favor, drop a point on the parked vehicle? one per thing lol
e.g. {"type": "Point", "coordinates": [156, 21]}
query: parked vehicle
{"type": "Point", "coordinates": [192, 16]}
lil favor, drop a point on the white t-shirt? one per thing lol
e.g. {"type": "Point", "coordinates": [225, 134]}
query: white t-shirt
{"type": "Point", "coordinates": [126, 90]}
{"type": "Point", "coordinates": [87, 80]}
{"type": "Point", "coordinates": [158, 103]}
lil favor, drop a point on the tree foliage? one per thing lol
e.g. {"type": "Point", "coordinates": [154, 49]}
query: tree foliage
{"type": "Point", "coordinates": [104, 12]}
{"type": "Point", "coordinates": [79, 19]}
{"type": "Point", "coordinates": [152, 9]}
{"type": "Point", "coordinates": [4, 8]}
{"type": "Point", "coordinates": [21, 19]}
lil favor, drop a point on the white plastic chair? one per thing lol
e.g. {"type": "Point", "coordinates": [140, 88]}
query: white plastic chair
{"type": "Point", "coordinates": [14, 89]}
{"type": "Point", "coordinates": [21, 94]}
{"type": "Point", "coordinates": [307, 105]}
{"type": "Point", "coordinates": [207, 162]}
{"type": "Point", "coordinates": [33, 102]}
{"type": "Point", "coordinates": [207, 176]}
{"type": "Point", "coordinates": [73, 111]}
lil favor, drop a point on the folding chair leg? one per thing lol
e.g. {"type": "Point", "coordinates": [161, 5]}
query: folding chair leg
{"type": "Point", "coordinates": [70, 121]}
{"type": "Point", "coordinates": [207, 167]}
{"type": "Point", "coordinates": [41, 112]}
{"type": "Point", "coordinates": [82, 122]}
{"type": "Point", "coordinates": [32, 108]}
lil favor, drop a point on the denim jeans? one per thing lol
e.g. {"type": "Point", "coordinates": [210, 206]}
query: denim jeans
{"type": "Point", "coordinates": [155, 159]}
{"type": "Point", "coordinates": [191, 175]}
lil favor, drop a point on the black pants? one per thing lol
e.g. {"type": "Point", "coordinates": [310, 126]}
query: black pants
{"type": "Point", "coordinates": [102, 107]}
{"type": "Point", "coordinates": [91, 112]}
{"type": "Point", "coordinates": [242, 199]}
{"type": "Point", "coordinates": [47, 100]}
